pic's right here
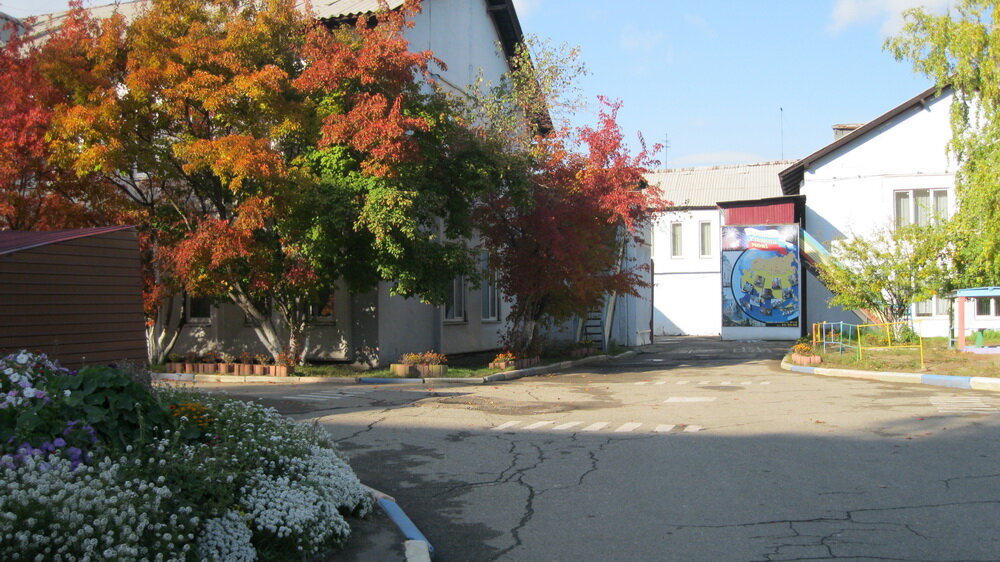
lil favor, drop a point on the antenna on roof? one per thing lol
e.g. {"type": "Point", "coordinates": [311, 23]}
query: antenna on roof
{"type": "Point", "coordinates": [781, 129]}
{"type": "Point", "coordinates": [666, 145]}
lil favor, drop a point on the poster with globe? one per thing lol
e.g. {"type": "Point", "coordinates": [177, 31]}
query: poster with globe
{"type": "Point", "coordinates": [760, 276]}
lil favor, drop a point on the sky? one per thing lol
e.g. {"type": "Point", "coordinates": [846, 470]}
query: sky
{"type": "Point", "coordinates": [721, 81]}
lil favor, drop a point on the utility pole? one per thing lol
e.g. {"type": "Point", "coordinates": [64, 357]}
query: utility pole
{"type": "Point", "coordinates": [781, 129]}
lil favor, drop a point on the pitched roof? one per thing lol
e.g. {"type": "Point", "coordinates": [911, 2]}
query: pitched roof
{"type": "Point", "coordinates": [19, 240]}
{"type": "Point", "coordinates": [706, 186]}
{"type": "Point", "coordinates": [791, 177]}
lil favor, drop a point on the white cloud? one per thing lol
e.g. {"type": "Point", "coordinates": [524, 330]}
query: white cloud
{"type": "Point", "coordinates": [848, 13]}
{"type": "Point", "coordinates": [716, 158]}
{"type": "Point", "coordinates": [525, 8]}
{"type": "Point", "coordinates": [635, 39]}
{"type": "Point", "coordinates": [701, 24]}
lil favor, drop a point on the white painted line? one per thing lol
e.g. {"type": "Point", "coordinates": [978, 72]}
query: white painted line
{"type": "Point", "coordinates": [765, 382]}
{"type": "Point", "coordinates": [660, 382]}
{"type": "Point", "coordinates": [683, 382]}
{"type": "Point", "coordinates": [595, 426]}
{"type": "Point", "coordinates": [627, 427]}
{"type": "Point", "coordinates": [690, 399]}
{"type": "Point", "coordinates": [664, 428]}
{"type": "Point", "coordinates": [746, 383]}
{"type": "Point", "coordinates": [567, 425]}
{"type": "Point", "coordinates": [703, 382]}
{"type": "Point", "coordinates": [726, 383]}
{"type": "Point", "coordinates": [692, 428]}
{"type": "Point", "coordinates": [536, 425]}
{"type": "Point", "coordinates": [642, 382]}
{"type": "Point", "coordinates": [505, 425]}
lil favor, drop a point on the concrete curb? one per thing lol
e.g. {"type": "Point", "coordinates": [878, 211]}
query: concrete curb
{"type": "Point", "coordinates": [416, 545]}
{"type": "Point", "coordinates": [504, 376]}
{"type": "Point", "coordinates": [973, 383]}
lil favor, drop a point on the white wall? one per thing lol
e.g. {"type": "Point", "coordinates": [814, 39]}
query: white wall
{"type": "Point", "coordinates": [850, 191]}
{"type": "Point", "coordinates": [687, 297]}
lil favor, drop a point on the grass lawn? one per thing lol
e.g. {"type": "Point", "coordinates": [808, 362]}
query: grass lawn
{"type": "Point", "coordinates": [938, 360]}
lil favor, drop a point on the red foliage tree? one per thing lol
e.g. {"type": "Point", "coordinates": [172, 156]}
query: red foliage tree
{"type": "Point", "coordinates": [557, 241]}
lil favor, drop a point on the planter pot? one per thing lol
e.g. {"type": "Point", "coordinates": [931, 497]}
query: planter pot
{"type": "Point", "coordinates": [401, 370]}
{"type": "Point", "coordinates": [260, 370]}
{"type": "Point", "coordinates": [281, 370]}
{"type": "Point", "coordinates": [174, 367]}
{"type": "Point", "coordinates": [502, 365]}
{"type": "Point", "coordinates": [432, 370]}
{"type": "Point", "coordinates": [526, 362]}
{"type": "Point", "coordinates": [244, 369]}
{"type": "Point", "coordinates": [806, 359]}
{"type": "Point", "coordinates": [227, 368]}
{"type": "Point", "coordinates": [189, 368]}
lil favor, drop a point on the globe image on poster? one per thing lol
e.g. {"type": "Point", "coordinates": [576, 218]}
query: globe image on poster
{"type": "Point", "coordinates": [765, 285]}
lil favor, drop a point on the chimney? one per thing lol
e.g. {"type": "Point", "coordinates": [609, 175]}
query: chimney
{"type": "Point", "coordinates": [844, 129]}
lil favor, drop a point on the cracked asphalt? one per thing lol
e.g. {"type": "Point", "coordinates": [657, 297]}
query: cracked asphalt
{"type": "Point", "coordinates": [745, 462]}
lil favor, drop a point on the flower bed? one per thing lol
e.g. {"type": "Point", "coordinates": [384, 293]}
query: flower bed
{"type": "Point", "coordinates": [426, 364]}
{"type": "Point", "coordinates": [506, 361]}
{"type": "Point", "coordinates": [240, 369]}
{"type": "Point", "coordinates": [92, 464]}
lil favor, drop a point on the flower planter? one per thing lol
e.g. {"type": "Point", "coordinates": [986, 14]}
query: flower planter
{"type": "Point", "coordinates": [806, 359]}
{"type": "Point", "coordinates": [260, 370]}
{"type": "Point", "coordinates": [281, 370]}
{"type": "Point", "coordinates": [244, 369]}
{"type": "Point", "coordinates": [174, 367]}
{"type": "Point", "coordinates": [581, 352]}
{"type": "Point", "coordinates": [189, 368]}
{"type": "Point", "coordinates": [432, 370]}
{"type": "Point", "coordinates": [401, 370]}
{"type": "Point", "coordinates": [503, 365]}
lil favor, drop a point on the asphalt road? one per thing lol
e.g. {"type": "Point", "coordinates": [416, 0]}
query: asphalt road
{"type": "Point", "coordinates": [693, 450]}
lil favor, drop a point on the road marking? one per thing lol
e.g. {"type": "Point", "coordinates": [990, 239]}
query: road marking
{"type": "Point", "coordinates": [505, 425]}
{"type": "Point", "coordinates": [660, 382]}
{"type": "Point", "coordinates": [536, 425]}
{"type": "Point", "coordinates": [664, 428]}
{"type": "Point", "coordinates": [313, 398]}
{"type": "Point", "coordinates": [626, 427]}
{"type": "Point", "coordinates": [746, 383]}
{"type": "Point", "coordinates": [642, 382]}
{"type": "Point", "coordinates": [683, 382]}
{"type": "Point", "coordinates": [567, 425]}
{"type": "Point", "coordinates": [595, 426]}
{"type": "Point", "coordinates": [690, 399]}
{"type": "Point", "coordinates": [727, 383]}
{"type": "Point", "coordinates": [765, 382]}
{"type": "Point", "coordinates": [692, 428]}
{"type": "Point", "coordinates": [961, 405]}
{"type": "Point", "coordinates": [704, 382]}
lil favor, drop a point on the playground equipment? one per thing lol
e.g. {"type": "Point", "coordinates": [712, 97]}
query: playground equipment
{"type": "Point", "coordinates": [841, 336]}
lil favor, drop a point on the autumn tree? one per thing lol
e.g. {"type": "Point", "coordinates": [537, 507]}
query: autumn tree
{"type": "Point", "coordinates": [959, 50]}
{"type": "Point", "coordinates": [267, 155]}
{"type": "Point", "coordinates": [569, 202]}
{"type": "Point", "coordinates": [34, 195]}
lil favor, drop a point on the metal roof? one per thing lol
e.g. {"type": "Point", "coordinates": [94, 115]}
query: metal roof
{"type": "Point", "coordinates": [976, 292]}
{"type": "Point", "coordinates": [18, 240]}
{"type": "Point", "coordinates": [706, 186]}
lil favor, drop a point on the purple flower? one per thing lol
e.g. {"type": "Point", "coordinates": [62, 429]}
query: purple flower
{"type": "Point", "coordinates": [48, 447]}
{"type": "Point", "coordinates": [74, 453]}
{"type": "Point", "coordinates": [59, 442]}
{"type": "Point", "coordinates": [23, 383]}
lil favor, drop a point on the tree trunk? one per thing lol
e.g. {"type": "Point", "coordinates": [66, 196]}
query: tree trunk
{"type": "Point", "coordinates": [264, 325]}
{"type": "Point", "coordinates": [162, 332]}
{"type": "Point", "coordinates": [295, 314]}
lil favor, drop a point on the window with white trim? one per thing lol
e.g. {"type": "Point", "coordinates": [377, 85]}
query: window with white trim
{"type": "Point", "coordinates": [705, 239]}
{"type": "Point", "coordinates": [988, 306]}
{"type": "Point", "coordinates": [931, 307]}
{"type": "Point", "coordinates": [490, 294]}
{"type": "Point", "coordinates": [454, 307]}
{"type": "Point", "coordinates": [920, 206]}
{"type": "Point", "coordinates": [676, 242]}
{"type": "Point", "coordinates": [323, 308]}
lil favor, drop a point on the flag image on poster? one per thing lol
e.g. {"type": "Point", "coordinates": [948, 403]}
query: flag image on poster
{"type": "Point", "coordinates": [760, 276]}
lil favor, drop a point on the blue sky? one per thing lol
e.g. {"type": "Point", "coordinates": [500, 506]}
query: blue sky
{"type": "Point", "coordinates": [712, 74]}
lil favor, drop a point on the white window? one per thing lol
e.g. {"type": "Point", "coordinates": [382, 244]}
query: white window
{"type": "Point", "coordinates": [490, 294]}
{"type": "Point", "coordinates": [988, 306]}
{"type": "Point", "coordinates": [323, 308]}
{"type": "Point", "coordinates": [920, 206]}
{"type": "Point", "coordinates": [931, 307]}
{"type": "Point", "coordinates": [705, 239]}
{"type": "Point", "coordinates": [676, 243]}
{"type": "Point", "coordinates": [199, 310]}
{"type": "Point", "coordinates": [454, 307]}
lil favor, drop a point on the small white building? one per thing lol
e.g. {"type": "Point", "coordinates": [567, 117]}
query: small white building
{"type": "Point", "coordinates": [893, 170]}
{"type": "Point", "coordinates": [687, 279]}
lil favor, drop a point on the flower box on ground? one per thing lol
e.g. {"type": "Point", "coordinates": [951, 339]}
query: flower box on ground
{"type": "Point", "coordinates": [503, 365]}
{"type": "Point", "coordinates": [239, 369]}
{"type": "Point", "coordinates": [582, 352]}
{"type": "Point", "coordinates": [401, 370]}
{"type": "Point", "coordinates": [799, 359]}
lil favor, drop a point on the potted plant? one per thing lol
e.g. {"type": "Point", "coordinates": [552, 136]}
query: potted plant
{"type": "Point", "coordinates": [428, 363]}
{"type": "Point", "coordinates": [284, 366]}
{"type": "Point", "coordinates": [803, 354]}
{"type": "Point", "coordinates": [245, 365]}
{"type": "Point", "coordinates": [261, 364]}
{"type": "Point", "coordinates": [175, 363]}
{"type": "Point", "coordinates": [227, 365]}
{"type": "Point", "coordinates": [190, 362]}
{"type": "Point", "coordinates": [504, 360]}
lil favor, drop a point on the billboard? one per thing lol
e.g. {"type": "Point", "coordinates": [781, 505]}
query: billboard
{"type": "Point", "coordinates": [761, 272]}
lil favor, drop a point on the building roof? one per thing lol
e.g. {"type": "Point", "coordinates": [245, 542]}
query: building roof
{"type": "Point", "coordinates": [791, 177]}
{"type": "Point", "coordinates": [704, 187]}
{"type": "Point", "coordinates": [19, 240]}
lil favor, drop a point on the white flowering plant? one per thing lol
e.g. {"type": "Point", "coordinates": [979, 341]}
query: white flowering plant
{"type": "Point", "coordinates": [94, 466]}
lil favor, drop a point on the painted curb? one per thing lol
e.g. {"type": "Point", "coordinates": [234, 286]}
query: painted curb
{"type": "Point", "coordinates": [416, 545]}
{"type": "Point", "coordinates": [388, 380]}
{"type": "Point", "coordinates": [973, 383]}
{"type": "Point", "coordinates": [188, 377]}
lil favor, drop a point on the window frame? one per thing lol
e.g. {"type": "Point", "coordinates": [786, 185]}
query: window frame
{"type": "Point", "coordinates": [994, 306]}
{"type": "Point", "coordinates": [457, 297]}
{"type": "Point", "coordinates": [913, 207]}
{"type": "Point", "coordinates": [489, 292]}
{"type": "Point", "coordinates": [704, 239]}
{"type": "Point", "coordinates": [325, 320]}
{"type": "Point", "coordinates": [189, 308]}
{"type": "Point", "coordinates": [676, 240]}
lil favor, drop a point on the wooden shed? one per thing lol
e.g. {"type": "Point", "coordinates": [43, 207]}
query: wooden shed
{"type": "Point", "coordinates": [73, 294]}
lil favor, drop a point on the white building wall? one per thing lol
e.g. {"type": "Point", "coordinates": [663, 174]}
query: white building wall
{"type": "Point", "coordinates": [687, 289]}
{"type": "Point", "coordinates": [851, 191]}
